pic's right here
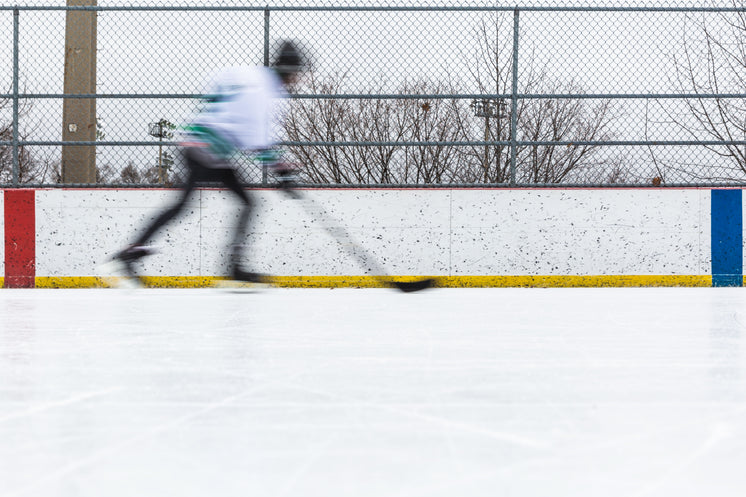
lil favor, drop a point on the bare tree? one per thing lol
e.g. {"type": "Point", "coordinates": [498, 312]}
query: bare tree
{"type": "Point", "coordinates": [564, 120]}
{"type": "Point", "coordinates": [539, 120]}
{"type": "Point", "coordinates": [491, 72]}
{"type": "Point", "coordinates": [30, 167]}
{"type": "Point", "coordinates": [130, 174]}
{"type": "Point", "coordinates": [439, 121]}
{"type": "Point", "coordinates": [712, 60]}
{"type": "Point", "coordinates": [412, 141]}
{"type": "Point", "coordinates": [162, 171]}
{"type": "Point", "coordinates": [321, 120]}
{"type": "Point", "coordinates": [386, 125]}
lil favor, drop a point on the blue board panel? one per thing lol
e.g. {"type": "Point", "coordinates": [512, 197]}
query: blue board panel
{"type": "Point", "coordinates": [727, 238]}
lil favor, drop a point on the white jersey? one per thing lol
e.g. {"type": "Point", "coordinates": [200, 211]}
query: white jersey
{"type": "Point", "coordinates": [245, 107]}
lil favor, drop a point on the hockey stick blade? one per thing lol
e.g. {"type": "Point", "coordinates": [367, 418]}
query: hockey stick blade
{"type": "Point", "coordinates": [413, 286]}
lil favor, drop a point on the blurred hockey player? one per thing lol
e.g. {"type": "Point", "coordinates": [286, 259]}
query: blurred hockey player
{"type": "Point", "coordinates": [244, 112]}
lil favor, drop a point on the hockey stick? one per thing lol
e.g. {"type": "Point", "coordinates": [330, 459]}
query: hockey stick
{"type": "Point", "coordinates": [353, 248]}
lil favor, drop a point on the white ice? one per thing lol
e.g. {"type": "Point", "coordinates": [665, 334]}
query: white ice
{"type": "Point", "coordinates": [373, 393]}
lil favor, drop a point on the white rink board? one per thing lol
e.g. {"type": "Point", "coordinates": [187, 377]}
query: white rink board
{"type": "Point", "coordinates": [437, 232]}
{"type": "Point", "coordinates": [581, 232]}
{"type": "Point", "coordinates": [408, 232]}
{"type": "Point", "coordinates": [78, 230]}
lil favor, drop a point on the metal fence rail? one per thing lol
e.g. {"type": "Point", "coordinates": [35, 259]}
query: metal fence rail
{"type": "Point", "coordinates": [395, 96]}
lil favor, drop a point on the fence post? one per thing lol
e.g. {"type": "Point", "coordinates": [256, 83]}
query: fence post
{"type": "Point", "coordinates": [16, 162]}
{"type": "Point", "coordinates": [514, 100]}
{"type": "Point", "coordinates": [266, 64]}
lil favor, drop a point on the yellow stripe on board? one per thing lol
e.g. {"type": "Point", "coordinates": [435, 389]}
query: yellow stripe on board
{"type": "Point", "coordinates": [570, 281]}
{"type": "Point", "coordinates": [107, 281]}
{"type": "Point", "coordinates": [561, 281]}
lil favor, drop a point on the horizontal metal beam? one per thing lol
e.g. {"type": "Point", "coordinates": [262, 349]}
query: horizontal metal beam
{"type": "Point", "coordinates": [406, 96]}
{"type": "Point", "coordinates": [467, 143]}
{"type": "Point", "coordinates": [418, 186]}
{"type": "Point", "coordinates": [309, 8]}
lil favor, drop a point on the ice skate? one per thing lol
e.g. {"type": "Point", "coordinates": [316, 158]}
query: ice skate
{"type": "Point", "coordinates": [240, 274]}
{"type": "Point", "coordinates": [239, 280]}
{"type": "Point", "coordinates": [122, 266]}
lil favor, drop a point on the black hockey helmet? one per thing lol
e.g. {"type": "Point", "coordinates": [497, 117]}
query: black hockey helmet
{"type": "Point", "coordinates": [289, 59]}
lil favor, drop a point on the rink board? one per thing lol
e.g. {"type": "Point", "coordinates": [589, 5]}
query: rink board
{"type": "Point", "coordinates": [464, 237]}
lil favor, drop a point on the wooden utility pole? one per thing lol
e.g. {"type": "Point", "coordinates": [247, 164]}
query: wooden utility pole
{"type": "Point", "coordinates": [79, 114]}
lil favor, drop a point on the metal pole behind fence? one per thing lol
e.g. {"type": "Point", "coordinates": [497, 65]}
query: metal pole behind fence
{"type": "Point", "coordinates": [16, 162]}
{"type": "Point", "coordinates": [266, 37]}
{"type": "Point", "coordinates": [266, 64]}
{"type": "Point", "coordinates": [514, 100]}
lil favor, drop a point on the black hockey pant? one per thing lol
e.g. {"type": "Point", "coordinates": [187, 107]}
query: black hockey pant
{"type": "Point", "coordinates": [204, 167]}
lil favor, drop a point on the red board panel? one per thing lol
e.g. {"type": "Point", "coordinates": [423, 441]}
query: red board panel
{"type": "Point", "coordinates": [20, 238]}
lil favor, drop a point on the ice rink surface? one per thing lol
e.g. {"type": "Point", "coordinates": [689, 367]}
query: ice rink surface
{"type": "Point", "coordinates": [373, 393]}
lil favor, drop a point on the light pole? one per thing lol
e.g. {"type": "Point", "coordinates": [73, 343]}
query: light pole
{"type": "Point", "coordinates": [160, 130]}
{"type": "Point", "coordinates": [487, 108]}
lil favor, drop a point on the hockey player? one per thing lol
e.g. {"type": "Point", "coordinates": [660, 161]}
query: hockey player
{"type": "Point", "coordinates": [244, 113]}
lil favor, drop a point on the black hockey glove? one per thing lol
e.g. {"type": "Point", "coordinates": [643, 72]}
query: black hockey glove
{"type": "Point", "coordinates": [285, 173]}
{"type": "Point", "coordinates": [287, 178]}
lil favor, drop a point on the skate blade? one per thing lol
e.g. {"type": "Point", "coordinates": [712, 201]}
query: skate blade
{"type": "Point", "coordinates": [235, 286]}
{"type": "Point", "coordinates": [114, 276]}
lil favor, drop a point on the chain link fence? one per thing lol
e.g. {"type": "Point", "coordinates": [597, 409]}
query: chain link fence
{"type": "Point", "coordinates": [395, 96]}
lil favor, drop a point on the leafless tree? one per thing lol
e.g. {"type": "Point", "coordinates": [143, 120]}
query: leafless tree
{"type": "Point", "coordinates": [31, 167]}
{"type": "Point", "coordinates": [320, 120]}
{"type": "Point", "coordinates": [386, 125]}
{"type": "Point", "coordinates": [131, 174]}
{"type": "Point", "coordinates": [712, 60]}
{"type": "Point", "coordinates": [412, 141]}
{"type": "Point", "coordinates": [538, 120]}
{"type": "Point", "coordinates": [491, 72]}
{"type": "Point", "coordinates": [564, 120]}
{"type": "Point", "coordinates": [438, 121]}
